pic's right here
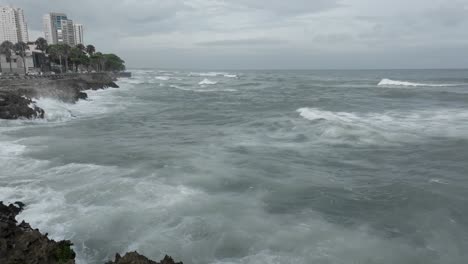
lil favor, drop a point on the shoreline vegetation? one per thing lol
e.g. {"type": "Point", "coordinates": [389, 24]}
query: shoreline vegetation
{"type": "Point", "coordinates": [57, 58]}
{"type": "Point", "coordinates": [61, 72]}
{"type": "Point", "coordinates": [20, 243]}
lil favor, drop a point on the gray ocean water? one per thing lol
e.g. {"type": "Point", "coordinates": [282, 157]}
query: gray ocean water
{"type": "Point", "coordinates": [252, 167]}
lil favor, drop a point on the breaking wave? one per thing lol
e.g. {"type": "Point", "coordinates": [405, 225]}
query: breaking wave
{"type": "Point", "coordinates": [207, 82]}
{"type": "Point", "coordinates": [389, 82]}
{"type": "Point", "coordinates": [230, 76]}
{"type": "Point", "coordinates": [387, 127]}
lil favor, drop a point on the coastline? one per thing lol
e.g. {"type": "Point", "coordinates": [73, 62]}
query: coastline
{"type": "Point", "coordinates": [20, 243]}
{"type": "Point", "coordinates": [16, 95]}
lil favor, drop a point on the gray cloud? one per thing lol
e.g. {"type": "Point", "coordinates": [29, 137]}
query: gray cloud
{"type": "Point", "coordinates": [269, 33]}
{"type": "Point", "coordinates": [243, 42]}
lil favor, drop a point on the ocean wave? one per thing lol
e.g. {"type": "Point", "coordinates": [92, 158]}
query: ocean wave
{"type": "Point", "coordinates": [387, 127]}
{"type": "Point", "coordinates": [162, 78]}
{"type": "Point", "coordinates": [389, 82]}
{"type": "Point", "coordinates": [213, 74]}
{"type": "Point", "coordinates": [132, 81]}
{"type": "Point", "coordinates": [230, 76]}
{"type": "Point", "coordinates": [207, 82]}
{"type": "Point", "coordinates": [201, 90]}
{"type": "Point", "coordinates": [206, 74]}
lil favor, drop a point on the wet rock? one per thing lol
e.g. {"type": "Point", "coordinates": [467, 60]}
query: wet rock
{"type": "Point", "coordinates": [81, 96]}
{"type": "Point", "coordinates": [15, 93]}
{"type": "Point", "coordinates": [15, 106]}
{"type": "Point", "coordinates": [112, 85]}
{"type": "Point", "coordinates": [135, 258]}
{"type": "Point", "coordinates": [22, 244]}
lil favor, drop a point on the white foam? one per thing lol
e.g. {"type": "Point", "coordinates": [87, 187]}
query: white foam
{"type": "Point", "coordinates": [10, 149]}
{"type": "Point", "coordinates": [132, 81]}
{"type": "Point", "coordinates": [387, 127]}
{"type": "Point", "coordinates": [207, 82]}
{"type": "Point", "coordinates": [230, 75]}
{"type": "Point", "coordinates": [202, 89]}
{"type": "Point", "coordinates": [162, 78]}
{"type": "Point", "coordinates": [389, 82]}
{"type": "Point", "coordinates": [207, 74]}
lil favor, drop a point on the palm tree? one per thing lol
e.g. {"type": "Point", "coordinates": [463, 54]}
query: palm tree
{"type": "Point", "coordinates": [6, 48]}
{"type": "Point", "coordinates": [56, 52]}
{"type": "Point", "coordinates": [90, 49]}
{"type": "Point", "coordinates": [66, 54]}
{"type": "Point", "coordinates": [42, 45]}
{"type": "Point", "coordinates": [99, 60]}
{"type": "Point", "coordinates": [81, 47]}
{"type": "Point", "coordinates": [20, 50]}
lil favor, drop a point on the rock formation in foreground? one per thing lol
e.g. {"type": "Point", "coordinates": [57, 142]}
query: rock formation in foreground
{"type": "Point", "coordinates": [16, 94]}
{"type": "Point", "coordinates": [21, 244]}
{"type": "Point", "coordinates": [14, 106]}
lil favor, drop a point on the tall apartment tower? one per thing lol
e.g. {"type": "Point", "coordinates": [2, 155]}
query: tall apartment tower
{"type": "Point", "coordinates": [13, 26]}
{"type": "Point", "coordinates": [58, 29]}
{"type": "Point", "coordinates": [79, 34]}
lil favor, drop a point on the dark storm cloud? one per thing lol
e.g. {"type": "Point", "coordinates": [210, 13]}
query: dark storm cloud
{"type": "Point", "coordinates": [294, 33]}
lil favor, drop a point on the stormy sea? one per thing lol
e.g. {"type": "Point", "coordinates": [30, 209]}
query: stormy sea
{"type": "Point", "coordinates": [246, 167]}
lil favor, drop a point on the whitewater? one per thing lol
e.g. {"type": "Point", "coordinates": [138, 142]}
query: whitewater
{"type": "Point", "coordinates": [245, 167]}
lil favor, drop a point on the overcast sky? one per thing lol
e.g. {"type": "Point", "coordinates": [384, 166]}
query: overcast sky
{"type": "Point", "coordinates": [284, 34]}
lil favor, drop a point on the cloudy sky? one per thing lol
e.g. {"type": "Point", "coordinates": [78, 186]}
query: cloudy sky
{"type": "Point", "coordinates": [284, 34]}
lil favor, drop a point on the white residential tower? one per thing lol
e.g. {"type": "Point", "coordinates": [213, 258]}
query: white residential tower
{"type": "Point", "coordinates": [13, 26]}
{"type": "Point", "coordinates": [78, 33]}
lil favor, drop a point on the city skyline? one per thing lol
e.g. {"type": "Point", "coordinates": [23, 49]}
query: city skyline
{"type": "Point", "coordinates": [13, 26]}
{"type": "Point", "coordinates": [56, 27]}
{"type": "Point", "coordinates": [300, 34]}
{"type": "Point", "coordinates": [60, 29]}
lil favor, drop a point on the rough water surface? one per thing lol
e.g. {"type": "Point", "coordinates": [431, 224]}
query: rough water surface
{"type": "Point", "coordinates": [251, 167]}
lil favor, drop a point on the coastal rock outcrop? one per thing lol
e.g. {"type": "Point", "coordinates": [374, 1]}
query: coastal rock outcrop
{"type": "Point", "coordinates": [15, 106]}
{"type": "Point", "coordinates": [135, 258]}
{"type": "Point", "coordinates": [15, 94]}
{"type": "Point", "coordinates": [21, 244]}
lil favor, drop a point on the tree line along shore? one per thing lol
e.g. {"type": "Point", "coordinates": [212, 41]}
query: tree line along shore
{"type": "Point", "coordinates": [39, 57]}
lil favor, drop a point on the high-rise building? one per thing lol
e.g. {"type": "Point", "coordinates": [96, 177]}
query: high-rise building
{"type": "Point", "coordinates": [13, 26]}
{"type": "Point", "coordinates": [58, 29]}
{"type": "Point", "coordinates": [50, 33]}
{"type": "Point", "coordinates": [66, 34]}
{"type": "Point", "coordinates": [79, 34]}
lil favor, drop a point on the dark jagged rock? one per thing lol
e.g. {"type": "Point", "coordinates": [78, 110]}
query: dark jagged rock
{"type": "Point", "coordinates": [68, 88]}
{"type": "Point", "coordinates": [20, 244]}
{"type": "Point", "coordinates": [135, 258]}
{"type": "Point", "coordinates": [15, 106]}
{"type": "Point", "coordinates": [82, 96]}
{"type": "Point", "coordinates": [112, 85]}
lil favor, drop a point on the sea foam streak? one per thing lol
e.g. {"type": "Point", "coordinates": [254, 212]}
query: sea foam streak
{"type": "Point", "coordinates": [162, 78]}
{"type": "Point", "coordinates": [230, 75]}
{"type": "Point", "coordinates": [389, 82]}
{"type": "Point", "coordinates": [207, 82]}
{"type": "Point", "coordinates": [387, 127]}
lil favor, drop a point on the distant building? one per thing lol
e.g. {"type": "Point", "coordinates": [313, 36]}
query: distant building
{"type": "Point", "coordinates": [78, 34]}
{"type": "Point", "coordinates": [13, 26]}
{"type": "Point", "coordinates": [58, 29]}
{"type": "Point", "coordinates": [33, 60]}
{"type": "Point", "coordinates": [66, 34]}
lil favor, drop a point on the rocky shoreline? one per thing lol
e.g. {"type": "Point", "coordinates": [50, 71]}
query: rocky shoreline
{"type": "Point", "coordinates": [16, 95]}
{"type": "Point", "coordinates": [21, 244]}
